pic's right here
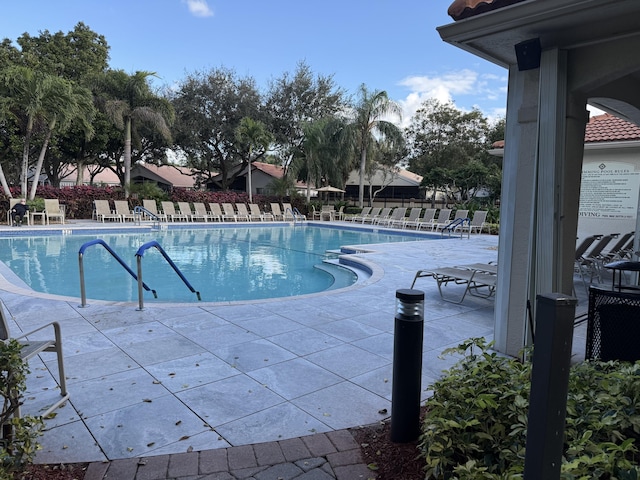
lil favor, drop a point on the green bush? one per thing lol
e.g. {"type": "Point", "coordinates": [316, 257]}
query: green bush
{"type": "Point", "coordinates": [18, 444]}
{"type": "Point", "coordinates": [476, 421]}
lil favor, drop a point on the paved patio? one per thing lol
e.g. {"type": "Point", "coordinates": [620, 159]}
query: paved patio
{"type": "Point", "coordinates": [180, 378]}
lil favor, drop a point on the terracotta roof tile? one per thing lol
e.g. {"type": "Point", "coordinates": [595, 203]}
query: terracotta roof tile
{"type": "Point", "coordinates": [603, 128]}
{"type": "Point", "coordinates": [461, 9]}
{"type": "Point", "coordinates": [609, 128]}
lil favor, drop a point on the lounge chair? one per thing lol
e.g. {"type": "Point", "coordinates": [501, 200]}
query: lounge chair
{"type": "Point", "coordinates": [256, 214]}
{"type": "Point", "coordinates": [53, 209]}
{"type": "Point", "coordinates": [30, 348]}
{"type": "Point", "coordinates": [358, 217]}
{"type": "Point", "coordinates": [200, 211]}
{"type": "Point", "coordinates": [442, 220]}
{"type": "Point", "coordinates": [276, 212]}
{"type": "Point", "coordinates": [169, 210]}
{"type": "Point", "coordinates": [122, 209]}
{"type": "Point", "coordinates": [617, 251]}
{"type": "Point", "coordinates": [242, 212]}
{"type": "Point", "coordinates": [215, 212]}
{"type": "Point", "coordinates": [228, 212]}
{"type": "Point", "coordinates": [150, 206]}
{"type": "Point", "coordinates": [382, 215]}
{"type": "Point", "coordinates": [397, 215]}
{"type": "Point", "coordinates": [591, 262]}
{"type": "Point", "coordinates": [426, 220]}
{"type": "Point", "coordinates": [190, 215]}
{"type": "Point", "coordinates": [104, 212]}
{"type": "Point", "coordinates": [478, 222]}
{"type": "Point", "coordinates": [414, 215]}
{"type": "Point", "coordinates": [476, 278]}
{"type": "Point", "coordinates": [460, 219]}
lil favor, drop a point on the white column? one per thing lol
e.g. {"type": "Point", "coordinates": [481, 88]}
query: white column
{"type": "Point", "coordinates": [516, 210]}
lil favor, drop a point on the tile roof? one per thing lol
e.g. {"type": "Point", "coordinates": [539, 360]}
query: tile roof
{"type": "Point", "coordinates": [609, 128]}
{"type": "Point", "coordinates": [461, 9]}
{"type": "Point", "coordinates": [603, 128]}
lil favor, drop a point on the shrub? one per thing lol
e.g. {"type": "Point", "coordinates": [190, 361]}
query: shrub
{"type": "Point", "coordinates": [18, 445]}
{"type": "Point", "coordinates": [476, 422]}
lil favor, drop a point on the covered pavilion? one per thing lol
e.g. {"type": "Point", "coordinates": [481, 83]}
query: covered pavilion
{"type": "Point", "coordinates": [560, 55]}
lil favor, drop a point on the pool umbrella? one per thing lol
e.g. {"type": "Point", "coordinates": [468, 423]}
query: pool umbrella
{"type": "Point", "coordinates": [329, 188]}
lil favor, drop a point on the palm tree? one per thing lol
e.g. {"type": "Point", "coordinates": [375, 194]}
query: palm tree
{"type": "Point", "coordinates": [370, 111]}
{"type": "Point", "coordinates": [253, 136]}
{"type": "Point", "coordinates": [128, 101]}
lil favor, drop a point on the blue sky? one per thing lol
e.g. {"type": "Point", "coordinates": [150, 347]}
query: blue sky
{"type": "Point", "coordinates": [387, 45]}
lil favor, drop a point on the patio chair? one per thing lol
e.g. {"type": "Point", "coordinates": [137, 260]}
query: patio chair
{"type": "Point", "coordinates": [315, 215]}
{"type": "Point", "coordinates": [292, 213]}
{"type": "Point", "coordinates": [442, 220]}
{"type": "Point", "coordinates": [104, 212]}
{"type": "Point", "coordinates": [478, 222]}
{"type": "Point", "coordinates": [328, 212]}
{"type": "Point", "coordinates": [383, 214]}
{"type": "Point", "coordinates": [276, 212]}
{"type": "Point", "coordinates": [12, 203]}
{"type": "Point", "coordinates": [150, 206]}
{"type": "Point", "coordinates": [339, 215]}
{"type": "Point", "coordinates": [228, 212]}
{"type": "Point", "coordinates": [122, 209]}
{"type": "Point", "coordinates": [396, 215]}
{"type": "Point", "coordinates": [185, 210]}
{"type": "Point", "coordinates": [200, 211]}
{"type": "Point", "coordinates": [590, 262]}
{"type": "Point", "coordinates": [169, 210]}
{"type": "Point", "coordinates": [358, 217]}
{"type": "Point", "coordinates": [32, 347]}
{"type": "Point", "coordinates": [426, 220]}
{"type": "Point", "coordinates": [255, 214]}
{"type": "Point", "coordinates": [478, 279]}
{"type": "Point", "coordinates": [459, 219]}
{"type": "Point", "coordinates": [242, 212]}
{"type": "Point", "coordinates": [53, 209]}
{"type": "Point", "coordinates": [414, 215]}
{"type": "Point", "coordinates": [215, 212]}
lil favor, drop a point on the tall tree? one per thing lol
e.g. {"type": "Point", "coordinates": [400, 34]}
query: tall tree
{"type": "Point", "coordinates": [371, 113]}
{"type": "Point", "coordinates": [294, 101]}
{"type": "Point", "coordinates": [131, 105]}
{"type": "Point", "coordinates": [254, 139]}
{"type": "Point", "coordinates": [209, 108]}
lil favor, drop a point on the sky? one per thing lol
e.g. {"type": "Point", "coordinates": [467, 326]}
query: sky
{"type": "Point", "coordinates": [386, 45]}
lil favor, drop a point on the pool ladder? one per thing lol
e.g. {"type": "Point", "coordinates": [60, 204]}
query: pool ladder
{"type": "Point", "coordinates": [295, 213]}
{"type": "Point", "coordinates": [138, 277]}
{"type": "Point", "coordinates": [138, 211]}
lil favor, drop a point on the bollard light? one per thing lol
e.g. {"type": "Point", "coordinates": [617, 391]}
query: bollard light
{"type": "Point", "coordinates": [407, 365]}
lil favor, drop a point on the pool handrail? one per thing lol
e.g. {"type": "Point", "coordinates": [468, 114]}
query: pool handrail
{"type": "Point", "coordinates": [139, 210]}
{"type": "Point", "coordinates": [98, 241]}
{"type": "Point", "coordinates": [458, 222]}
{"type": "Point", "coordinates": [140, 254]}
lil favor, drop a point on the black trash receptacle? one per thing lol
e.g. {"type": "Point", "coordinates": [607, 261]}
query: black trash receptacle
{"type": "Point", "coordinates": [613, 326]}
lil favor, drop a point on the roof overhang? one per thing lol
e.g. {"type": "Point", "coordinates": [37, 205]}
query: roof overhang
{"type": "Point", "coordinates": [566, 24]}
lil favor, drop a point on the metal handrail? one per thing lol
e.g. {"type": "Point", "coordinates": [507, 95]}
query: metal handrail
{"type": "Point", "coordinates": [83, 294]}
{"type": "Point", "coordinates": [458, 222]}
{"type": "Point", "coordinates": [139, 255]}
{"type": "Point", "coordinates": [139, 210]}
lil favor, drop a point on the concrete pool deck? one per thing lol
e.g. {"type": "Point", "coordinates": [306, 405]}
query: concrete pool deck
{"type": "Point", "coordinates": [179, 379]}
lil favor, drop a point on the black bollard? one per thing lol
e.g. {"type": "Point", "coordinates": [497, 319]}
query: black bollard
{"type": "Point", "coordinates": [407, 365]}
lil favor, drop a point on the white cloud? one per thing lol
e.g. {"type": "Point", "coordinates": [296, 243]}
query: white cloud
{"type": "Point", "coordinates": [489, 88]}
{"type": "Point", "coordinates": [199, 8]}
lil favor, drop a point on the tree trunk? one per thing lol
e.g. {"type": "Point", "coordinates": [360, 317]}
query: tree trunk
{"type": "Point", "coordinates": [5, 185]}
{"type": "Point", "coordinates": [127, 158]}
{"type": "Point", "coordinates": [363, 164]}
{"type": "Point", "coordinates": [43, 151]}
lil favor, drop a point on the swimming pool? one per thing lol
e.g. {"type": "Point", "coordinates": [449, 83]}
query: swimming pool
{"type": "Point", "coordinates": [223, 264]}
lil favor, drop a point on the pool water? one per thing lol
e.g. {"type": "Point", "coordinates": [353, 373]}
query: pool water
{"type": "Point", "coordinates": [223, 264]}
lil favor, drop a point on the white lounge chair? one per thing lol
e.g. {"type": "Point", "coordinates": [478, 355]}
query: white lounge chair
{"type": "Point", "coordinates": [426, 220]}
{"type": "Point", "coordinates": [104, 212]}
{"type": "Point", "coordinates": [122, 209]}
{"type": "Point", "coordinates": [53, 210]}
{"type": "Point", "coordinates": [228, 212]}
{"type": "Point", "coordinates": [169, 210]}
{"type": "Point", "coordinates": [242, 212]}
{"type": "Point", "coordinates": [150, 206]}
{"type": "Point", "coordinates": [215, 212]}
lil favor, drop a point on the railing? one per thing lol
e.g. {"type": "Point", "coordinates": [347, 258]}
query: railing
{"type": "Point", "coordinates": [295, 213]}
{"type": "Point", "coordinates": [139, 255]}
{"type": "Point", "coordinates": [458, 223]}
{"type": "Point", "coordinates": [138, 211]}
{"type": "Point", "coordinates": [83, 294]}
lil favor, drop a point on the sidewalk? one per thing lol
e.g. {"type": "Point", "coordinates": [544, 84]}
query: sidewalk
{"type": "Point", "coordinates": [331, 455]}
